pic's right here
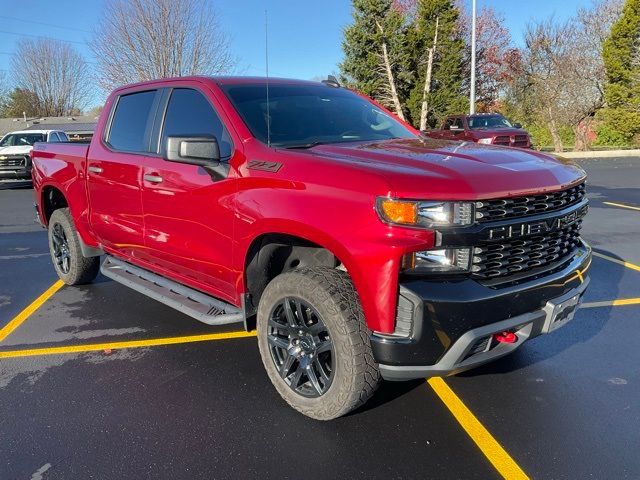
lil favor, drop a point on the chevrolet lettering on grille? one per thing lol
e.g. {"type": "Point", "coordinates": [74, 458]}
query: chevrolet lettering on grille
{"type": "Point", "coordinates": [536, 228]}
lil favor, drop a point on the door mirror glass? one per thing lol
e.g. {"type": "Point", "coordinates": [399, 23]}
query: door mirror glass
{"type": "Point", "coordinates": [517, 125]}
{"type": "Point", "coordinates": [203, 151]}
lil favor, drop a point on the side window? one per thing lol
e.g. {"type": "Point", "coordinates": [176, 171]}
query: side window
{"type": "Point", "coordinates": [189, 113]}
{"type": "Point", "coordinates": [131, 122]}
{"type": "Point", "coordinates": [63, 137]}
{"type": "Point", "coordinates": [447, 124]}
{"type": "Point", "coordinates": [457, 123]}
{"type": "Point", "coordinates": [53, 137]}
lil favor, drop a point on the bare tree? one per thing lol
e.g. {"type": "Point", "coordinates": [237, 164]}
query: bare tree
{"type": "Point", "coordinates": [391, 91]}
{"type": "Point", "coordinates": [427, 82]}
{"type": "Point", "coordinates": [546, 57]}
{"type": "Point", "coordinates": [146, 39]}
{"type": "Point", "coordinates": [586, 66]}
{"type": "Point", "coordinates": [55, 72]}
{"type": "Point", "coordinates": [496, 56]}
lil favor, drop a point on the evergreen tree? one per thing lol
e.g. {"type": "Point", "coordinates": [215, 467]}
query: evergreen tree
{"type": "Point", "coordinates": [621, 55]}
{"type": "Point", "coordinates": [443, 94]}
{"type": "Point", "coordinates": [375, 53]}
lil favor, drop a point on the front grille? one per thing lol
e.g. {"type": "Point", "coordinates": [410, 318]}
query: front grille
{"type": "Point", "coordinates": [501, 259]}
{"type": "Point", "coordinates": [15, 161]}
{"type": "Point", "coordinates": [521, 141]}
{"type": "Point", "coordinates": [503, 140]}
{"type": "Point", "coordinates": [506, 208]}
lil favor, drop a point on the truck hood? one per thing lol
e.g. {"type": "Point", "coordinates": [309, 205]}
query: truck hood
{"type": "Point", "coordinates": [440, 169]}
{"type": "Point", "coordinates": [17, 150]}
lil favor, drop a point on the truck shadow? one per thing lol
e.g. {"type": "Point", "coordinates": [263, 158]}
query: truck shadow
{"type": "Point", "coordinates": [606, 279]}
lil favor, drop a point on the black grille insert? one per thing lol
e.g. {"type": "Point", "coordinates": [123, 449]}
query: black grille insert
{"type": "Point", "coordinates": [501, 259]}
{"type": "Point", "coordinates": [522, 207]}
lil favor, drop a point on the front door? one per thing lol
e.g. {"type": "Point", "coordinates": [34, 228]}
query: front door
{"type": "Point", "coordinates": [114, 172]}
{"type": "Point", "coordinates": [188, 211]}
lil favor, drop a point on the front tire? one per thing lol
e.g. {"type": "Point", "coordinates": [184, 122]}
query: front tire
{"type": "Point", "coordinates": [314, 342]}
{"type": "Point", "coordinates": [64, 244]}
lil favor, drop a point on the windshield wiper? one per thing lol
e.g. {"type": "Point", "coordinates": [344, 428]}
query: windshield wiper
{"type": "Point", "coordinates": [304, 145]}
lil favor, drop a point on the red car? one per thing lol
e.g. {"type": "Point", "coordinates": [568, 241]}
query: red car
{"type": "Point", "coordinates": [360, 249]}
{"type": "Point", "coordinates": [485, 128]}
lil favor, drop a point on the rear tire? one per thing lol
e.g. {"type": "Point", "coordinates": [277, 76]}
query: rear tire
{"type": "Point", "coordinates": [317, 355]}
{"type": "Point", "coordinates": [64, 244]}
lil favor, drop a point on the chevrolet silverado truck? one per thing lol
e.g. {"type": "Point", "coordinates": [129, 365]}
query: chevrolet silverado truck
{"type": "Point", "coordinates": [15, 147]}
{"type": "Point", "coordinates": [358, 249]}
{"type": "Point", "coordinates": [484, 128]}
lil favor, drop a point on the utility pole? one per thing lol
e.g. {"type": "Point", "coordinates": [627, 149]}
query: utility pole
{"type": "Point", "coordinates": [472, 96]}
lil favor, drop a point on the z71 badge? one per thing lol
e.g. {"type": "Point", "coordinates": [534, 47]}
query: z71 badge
{"type": "Point", "coordinates": [264, 165]}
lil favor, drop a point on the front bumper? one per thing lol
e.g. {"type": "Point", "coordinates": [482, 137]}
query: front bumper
{"type": "Point", "coordinates": [453, 322]}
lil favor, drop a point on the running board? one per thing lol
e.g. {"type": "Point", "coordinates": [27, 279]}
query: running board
{"type": "Point", "coordinates": [191, 302]}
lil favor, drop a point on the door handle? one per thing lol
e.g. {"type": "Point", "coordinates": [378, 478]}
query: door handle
{"type": "Point", "coordinates": [94, 169]}
{"type": "Point", "coordinates": [153, 178]}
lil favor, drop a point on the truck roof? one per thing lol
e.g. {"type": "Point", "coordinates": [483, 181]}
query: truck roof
{"type": "Point", "coordinates": [226, 80]}
{"type": "Point", "coordinates": [26, 132]}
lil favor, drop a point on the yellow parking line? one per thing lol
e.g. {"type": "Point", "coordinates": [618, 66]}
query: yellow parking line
{"type": "Point", "coordinates": [612, 303]}
{"type": "Point", "coordinates": [26, 313]}
{"type": "Point", "coordinates": [619, 262]}
{"type": "Point", "coordinates": [622, 205]}
{"type": "Point", "coordinates": [499, 458]}
{"type": "Point", "coordinates": [154, 342]}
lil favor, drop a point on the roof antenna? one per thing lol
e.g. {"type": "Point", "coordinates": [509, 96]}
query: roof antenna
{"type": "Point", "coordinates": [266, 58]}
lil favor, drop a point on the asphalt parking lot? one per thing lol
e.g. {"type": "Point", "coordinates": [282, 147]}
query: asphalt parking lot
{"type": "Point", "coordinates": [101, 382]}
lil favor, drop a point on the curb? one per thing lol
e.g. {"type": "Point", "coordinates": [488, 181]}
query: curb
{"type": "Point", "coordinates": [599, 154]}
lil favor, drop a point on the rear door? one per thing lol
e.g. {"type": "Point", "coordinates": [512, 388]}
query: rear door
{"type": "Point", "coordinates": [114, 173]}
{"type": "Point", "coordinates": [188, 211]}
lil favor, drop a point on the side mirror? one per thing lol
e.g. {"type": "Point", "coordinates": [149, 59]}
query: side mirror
{"type": "Point", "coordinates": [202, 151]}
{"type": "Point", "coordinates": [517, 125]}
{"type": "Point", "coordinates": [455, 128]}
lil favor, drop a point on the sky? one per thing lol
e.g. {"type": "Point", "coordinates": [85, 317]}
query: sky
{"type": "Point", "coordinates": [305, 36]}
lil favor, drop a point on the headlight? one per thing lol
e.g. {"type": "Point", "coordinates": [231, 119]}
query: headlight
{"type": "Point", "coordinates": [444, 260]}
{"type": "Point", "coordinates": [424, 213]}
{"type": "Point", "coordinates": [486, 141]}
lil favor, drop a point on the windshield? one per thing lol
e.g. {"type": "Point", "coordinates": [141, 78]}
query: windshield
{"type": "Point", "coordinates": [488, 121]}
{"type": "Point", "coordinates": [21, 139]}
{"type": "Point", "coordinates": [306, 115]}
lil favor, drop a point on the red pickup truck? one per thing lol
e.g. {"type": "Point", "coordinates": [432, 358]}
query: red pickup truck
{"type": "Point", "coordinates": [357, 248]}
{"type": "Point", "coordinates": [485, 128]}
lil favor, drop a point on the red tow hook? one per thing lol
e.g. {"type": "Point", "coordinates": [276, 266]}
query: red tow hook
{"type": "Point", "coordinates": [505, 337]}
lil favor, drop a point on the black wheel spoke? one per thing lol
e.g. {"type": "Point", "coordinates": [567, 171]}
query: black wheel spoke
{"type": "Point", "coordinates": [301, 320]}
{"type": "Point", "coordinates": [295, 379]}
{"type": "Point", "coordinates": [285, 368]}
{"type": "Point", "coordinates": [323, 374]}
{"type": "Point", "coordinates": [278, 342]}
{"type": "Point", "coordinates": [313, 378]}
{"type": "Point", "coordinates": [324, 346]}
{"type": "Point", "coordinates": [291, 319]}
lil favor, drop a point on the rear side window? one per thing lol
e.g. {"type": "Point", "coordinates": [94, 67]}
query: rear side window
{"type": "Point", "coordinates": [190, 114]}
{"type": "Point", "coordinates": [53, 137]}
{"type": "Point", "coordinates": [63, 137]}
{"type": "Point", "coordinates": [131, 123]}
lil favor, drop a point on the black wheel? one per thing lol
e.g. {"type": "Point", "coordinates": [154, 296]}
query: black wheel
{"type": "Point", "coordinates": [64, 245]}
{"type": "Point", "coordinates": [314, 342]}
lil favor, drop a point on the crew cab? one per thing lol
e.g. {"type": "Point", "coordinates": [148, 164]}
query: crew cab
{"type": "Point", "coordinates": [357, 249]}
{"type": "Point", "coordinates": [15, 147]}
{"type": "Point", "coordinates": [485, 128]}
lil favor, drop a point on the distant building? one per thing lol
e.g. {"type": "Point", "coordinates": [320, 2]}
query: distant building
{"type": "Point", "coordinates": [77, 128]}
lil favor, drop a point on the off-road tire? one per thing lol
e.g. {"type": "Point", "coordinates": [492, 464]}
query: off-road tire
{"type": "Point", "coordinates": [332, 294]}
{"type": "Point", "coordinates": [81, 269]}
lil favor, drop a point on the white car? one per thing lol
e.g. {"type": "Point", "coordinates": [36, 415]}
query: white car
{"type": "Point", "coordinates": [15, 163]}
